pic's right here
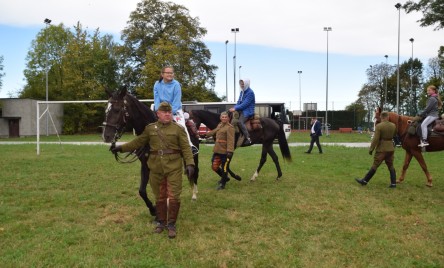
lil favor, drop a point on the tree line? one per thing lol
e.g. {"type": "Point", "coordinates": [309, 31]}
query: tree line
{"type": "Point", "coordinates": [80, 63]}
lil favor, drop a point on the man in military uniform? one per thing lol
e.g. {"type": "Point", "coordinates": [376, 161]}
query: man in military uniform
{"type": "Point", "coordinates": [223, 148]}
{"type": "Point", "coordinates": [168, 145]}
{"type": "Point", "coordinates": [385, 151]}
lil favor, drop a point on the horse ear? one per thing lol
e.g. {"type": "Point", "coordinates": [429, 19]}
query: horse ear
{"type": "Point", "coordinates": [108, 92]}
{"type": "Point", "coordinates": [122, 91]}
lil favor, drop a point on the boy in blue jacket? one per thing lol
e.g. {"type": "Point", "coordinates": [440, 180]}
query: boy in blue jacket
{"type": "Point", "coordinates": [245, 107]}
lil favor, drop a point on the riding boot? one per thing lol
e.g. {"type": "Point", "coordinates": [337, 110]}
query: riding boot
{"type": "Point", "coordinates": [173, 212]}
{"type": "Point", "coordinates": [223, 181]}
{"type": "Point", "coordinates": [367, 177]}
{"type": "Point", "coordinates": [161, 215]}
{"type": "Point", "coordinates": [392, 178]}
{"type": "Point", "coordinates": [244, 130]}
{"type": "Point", "coordinates": [221, 173]}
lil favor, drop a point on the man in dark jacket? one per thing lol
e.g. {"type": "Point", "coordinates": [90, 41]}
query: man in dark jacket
{"type": "Point", "coordinates": [315, 133]}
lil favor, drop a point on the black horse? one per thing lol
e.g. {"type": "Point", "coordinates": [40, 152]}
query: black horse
{"type": "Point", "coordinates": [265, 136]}
{"type": "Point", "coordinates": [124, 111]}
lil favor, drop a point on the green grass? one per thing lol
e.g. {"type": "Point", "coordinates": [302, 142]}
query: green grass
{"type": "Point", "coordinates": [74, 206]}
{"type": "Point", "coordinates": [298, 136]}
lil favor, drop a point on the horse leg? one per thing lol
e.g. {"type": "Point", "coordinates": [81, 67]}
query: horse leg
{"type": "Point", "coordinates": [261, 164]}
{"type": "Point", "coordinates": [418, 156]}
{"type": "Point", "coordinates": [144, 177]}
{"type": "Point", "coordinates": [196, 175]}
{"type": "Point", "coordinates": [275, 158]}
{"type": "Point", "coordinates": [407, 159]}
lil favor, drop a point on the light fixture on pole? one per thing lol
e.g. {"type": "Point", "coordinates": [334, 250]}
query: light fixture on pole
{"type": "Point", "coordinates": [398, 6]}
{"type": "Point", "coordinates": [47, 22]}
{"type": "Point", "coordinates": [327, 29]}
{"type": "Point", "coordinates": [240, 66]}
{"type": "Point", "coordinates": [385, 74]}
{"type": "Point", "coordinates": [411, 80]}
{"type": "Point", "coordinates": [300, 101]}
{"type": "Point", "coordinates": [226, 70]}
{"type": "Point", "coordinates": [235, 31]}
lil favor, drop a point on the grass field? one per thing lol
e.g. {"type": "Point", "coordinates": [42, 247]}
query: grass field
{"type": "Point", "coordinates": [74, 206]}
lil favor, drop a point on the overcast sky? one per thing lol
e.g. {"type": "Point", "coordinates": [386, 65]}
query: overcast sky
{"type": "Point", "coordinates": [276, 39]}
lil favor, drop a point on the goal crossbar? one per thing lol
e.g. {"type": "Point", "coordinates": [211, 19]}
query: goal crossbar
{"type": "Point", "coordinates": [39, 116]}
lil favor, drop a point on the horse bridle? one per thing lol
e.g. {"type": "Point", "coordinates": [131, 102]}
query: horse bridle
{"type": "Point", "coordinates": [129, 157]}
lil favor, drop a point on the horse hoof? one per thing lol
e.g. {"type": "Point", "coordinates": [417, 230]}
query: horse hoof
{"type": "Point", "coordinates": [398, 181]}
{"type": "Point", "coordinates": [153, 212]}
{"type": "Point", "coordinates": [278, 178]}
{"type": "Point", "coordinates": [429, 184]}
{"type": "Point", "coordinates": [238, 178]}
{"type": "Point", "coordinates": [193, 198]}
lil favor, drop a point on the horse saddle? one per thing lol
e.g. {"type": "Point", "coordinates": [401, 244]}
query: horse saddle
{"type": "Point", "coordinates": [253, 123]}
{"type": "Point", "coordinates": [435, 128]}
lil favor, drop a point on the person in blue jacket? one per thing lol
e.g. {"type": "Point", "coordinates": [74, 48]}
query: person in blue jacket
{"type": "Point", "coordinates": [167, 89]}
{"type": "Point", "coordinates": [245, 106]}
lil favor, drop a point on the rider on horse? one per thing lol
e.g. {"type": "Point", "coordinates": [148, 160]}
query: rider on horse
{"type": "Point", "coordinates": [430, 113]}
{"type": "Point", "coordinates": [245, 106]}
{"type": "Point", "coordinates": [167, 89]}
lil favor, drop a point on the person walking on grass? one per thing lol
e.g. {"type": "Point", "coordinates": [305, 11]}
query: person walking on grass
{"type": "Point", "coordinates": [385, 150]}
{"type": "Point", "coordinates": [223, 148]}
{"type": "Point", "coordinates": [315, 133]}
{"type": "Point", "coordinates": [168, 146]}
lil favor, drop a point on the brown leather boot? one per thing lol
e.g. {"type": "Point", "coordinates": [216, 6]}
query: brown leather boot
{"type": "Point", "coordinates": [173, 212]}
{"type": "Point", "coordinates": [161, 215]}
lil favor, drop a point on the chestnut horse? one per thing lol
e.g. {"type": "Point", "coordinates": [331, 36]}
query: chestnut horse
{"type": "Point", "coordinates": [410, 144]}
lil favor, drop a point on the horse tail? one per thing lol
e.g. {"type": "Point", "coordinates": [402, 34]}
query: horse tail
{"type": "Point", "coordinates": [283, 144]}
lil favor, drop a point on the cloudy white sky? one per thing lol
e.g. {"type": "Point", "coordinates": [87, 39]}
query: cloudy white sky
{"type": "Point", "coordinates": [276, 39]}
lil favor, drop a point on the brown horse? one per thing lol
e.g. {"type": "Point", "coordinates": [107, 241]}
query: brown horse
{"type": "Point", "coordinates": [410, 144]}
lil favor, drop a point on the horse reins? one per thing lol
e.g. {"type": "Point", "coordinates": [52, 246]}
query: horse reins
{"type": "Point", "coordinates": [136, 154]}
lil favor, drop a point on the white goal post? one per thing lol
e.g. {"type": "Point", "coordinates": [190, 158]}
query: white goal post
{"type": "Point", "coordinates": [39, 116]}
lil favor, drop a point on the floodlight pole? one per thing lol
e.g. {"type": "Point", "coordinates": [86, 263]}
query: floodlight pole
{"type": "Point", "coordinates": [327, 29]}
{"type": "Point", "coordinates": [398, 6]}
{"type": "Point", "coordinates": [226, 70]}
{"type": "Point", "coordinates": [235, 31]}
{"type": "Point", "coordinates": [47, 22]}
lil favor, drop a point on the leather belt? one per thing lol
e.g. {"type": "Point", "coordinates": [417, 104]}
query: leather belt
{"type": "Point", "coordinates": [165, 151]}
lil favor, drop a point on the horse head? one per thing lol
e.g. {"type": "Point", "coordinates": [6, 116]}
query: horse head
{"type": "Point", "coordinates": [115, 115]}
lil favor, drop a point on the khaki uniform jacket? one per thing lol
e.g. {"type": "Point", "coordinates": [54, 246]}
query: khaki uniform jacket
{"type": "Point", "coordinates": [382, 140]}
{"type": "Point", "coordinates": [176, 139]}
{"type": "Point", "coordinates": [224, 138]}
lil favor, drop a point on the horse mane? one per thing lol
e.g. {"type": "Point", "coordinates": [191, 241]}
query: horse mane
{"type": "Point", "coordinates": [400, 121]}
{"type": "Point", "coordinates": [140, 114]}
{"type": "Point", "coordinates": [210, 119]}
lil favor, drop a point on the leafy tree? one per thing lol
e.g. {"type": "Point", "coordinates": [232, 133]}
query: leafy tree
{"type": "Point", "coordinates": [78, 64]}
{"type": "Point", "coordinates": [433, 12]}
{"type": "Point", "coordinates": [46, 53]}
{"type": "Point", "coordinates": [160, 34]}
{"type": "Point", "coordinates": [359, 113]}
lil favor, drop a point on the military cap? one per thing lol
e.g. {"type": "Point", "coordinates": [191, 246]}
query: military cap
{"type": "Point", "coordinates": [164, 106]}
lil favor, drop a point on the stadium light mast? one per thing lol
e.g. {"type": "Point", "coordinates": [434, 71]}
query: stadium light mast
{"type": "Point", "coordinates": [327, 29]}
{"type": "Point", "coordinates": [47, 22]}
{"type": "Point", "coordinates": [235, 31]}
